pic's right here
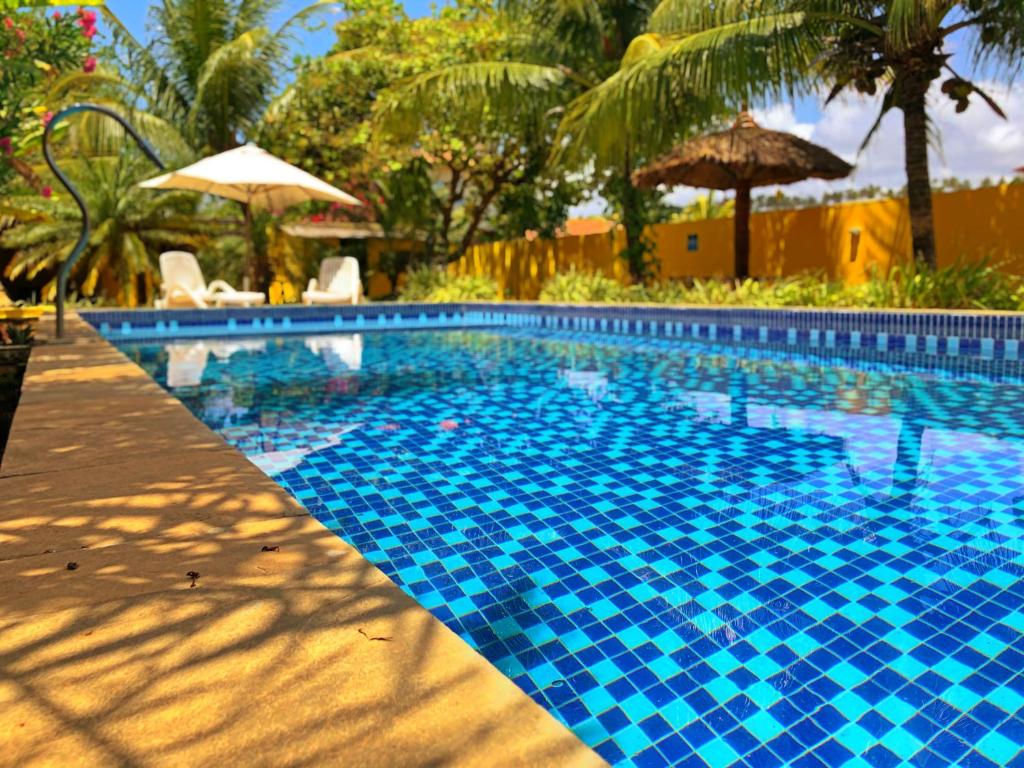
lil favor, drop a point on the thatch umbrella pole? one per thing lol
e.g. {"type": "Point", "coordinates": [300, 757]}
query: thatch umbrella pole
{"type": "Point", "coordinates": [741, 229]}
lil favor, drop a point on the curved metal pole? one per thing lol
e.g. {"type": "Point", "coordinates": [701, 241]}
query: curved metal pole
{"type": "Point", "coordinates": [83, 238]}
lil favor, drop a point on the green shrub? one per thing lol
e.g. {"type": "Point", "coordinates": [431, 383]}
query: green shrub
{"type": "Point", "coordinates": [430, 284]}
{"type": "Point", "coordinates": [963, 285]}
{"type": "Point", "coordinates": [573, 286]}
{"type": "Point", "coordinates": [420, 282]}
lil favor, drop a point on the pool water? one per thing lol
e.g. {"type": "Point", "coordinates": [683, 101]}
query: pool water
{"type": "Point", "coordinates": [691, 554]}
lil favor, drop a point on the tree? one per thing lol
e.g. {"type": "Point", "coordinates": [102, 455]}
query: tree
{"type": "Point", "coordinates": [564, 48]}
{"type": "Point", "coordinates": [737, 51]}
{"type": "Point", "coordinates": [451, 182]}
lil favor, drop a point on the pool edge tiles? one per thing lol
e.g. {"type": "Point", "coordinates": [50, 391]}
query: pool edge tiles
{"type": "Point", "coordinates": [134, 571]}
{"type": "Point", "coordinates": [944, 334]}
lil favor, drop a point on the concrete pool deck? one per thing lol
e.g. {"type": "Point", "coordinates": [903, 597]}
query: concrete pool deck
{"type": "Point", "coordinates": [304, 655]}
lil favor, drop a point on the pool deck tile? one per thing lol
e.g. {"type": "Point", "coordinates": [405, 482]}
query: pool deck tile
{"type": "Point", "coordinates": [303, 655]}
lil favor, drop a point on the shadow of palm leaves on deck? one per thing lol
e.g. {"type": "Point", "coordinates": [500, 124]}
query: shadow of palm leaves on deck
{"type": "Point", "coordinates": [121, 662]}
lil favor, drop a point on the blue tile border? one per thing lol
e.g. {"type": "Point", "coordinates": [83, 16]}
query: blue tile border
{"type": "Point", "coordinates": [994, 336]}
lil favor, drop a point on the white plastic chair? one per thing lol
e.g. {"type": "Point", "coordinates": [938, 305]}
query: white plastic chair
{"type": "Point", "coordinates": [338, 282]}
{"type": "Point", "coordinates": [184, 286]}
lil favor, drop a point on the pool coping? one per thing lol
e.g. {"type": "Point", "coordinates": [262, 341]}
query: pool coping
{"type": "Point", "coordinates": [944, 334]}
{"type": "Point", "coordinates": [305, 653]}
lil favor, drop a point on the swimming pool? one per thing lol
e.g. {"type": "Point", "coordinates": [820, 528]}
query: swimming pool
{"type": "Point", "coordinates": [691, 551]}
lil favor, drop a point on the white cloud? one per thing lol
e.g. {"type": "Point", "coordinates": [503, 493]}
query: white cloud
{"type": "Point", "coordinates": [972, 145]}
{"type": "Point", "coordinates": [782, 117]}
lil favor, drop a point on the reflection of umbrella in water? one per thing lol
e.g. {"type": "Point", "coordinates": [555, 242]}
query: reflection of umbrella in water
{"type": "Point", "coordinates": [743, 157]}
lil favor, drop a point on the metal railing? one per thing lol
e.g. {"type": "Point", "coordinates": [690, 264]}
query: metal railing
{"type": "Point", "coordinates": [83, 238]}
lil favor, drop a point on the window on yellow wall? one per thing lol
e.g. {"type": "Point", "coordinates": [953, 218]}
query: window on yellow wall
{"type": "Point", "coordinates": [692, 242]}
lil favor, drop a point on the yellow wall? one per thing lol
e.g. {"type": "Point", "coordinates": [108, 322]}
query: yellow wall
{"type": "Point", "coordinates": [973, 224]}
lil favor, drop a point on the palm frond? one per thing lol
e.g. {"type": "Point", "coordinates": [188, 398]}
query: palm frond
{"type": "Point", "coordinates": [303, 14]}
{"type": "Point", "coordinates": [682, 17]}
{"type": "Point", "coordinates": [233, 83]}
{"type": "Point", "coordinates": [910, 21]}
{"type": "Point", "coordinates": [504, 90]}
{"type": "Point", "coordinates": [683, 80]}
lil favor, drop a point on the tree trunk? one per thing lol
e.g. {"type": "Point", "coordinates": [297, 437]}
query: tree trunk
{"type": "Point", "coordinates": [633, 222]}
{"type": "Point", "coordinates": [741, 237]}
{"type": "Point", "coordinates": [256, 269]}
{"type": "Point", "coordinates": [919, 184]}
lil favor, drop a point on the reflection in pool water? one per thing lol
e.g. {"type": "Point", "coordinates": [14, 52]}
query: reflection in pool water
{"type": "Point", "coordinates": [687, 552]}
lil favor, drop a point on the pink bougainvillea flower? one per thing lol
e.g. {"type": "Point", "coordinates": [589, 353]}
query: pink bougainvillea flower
{"type": "Point", "coordinates": [46, 192]}
{"type": "Point", "coordinates": [5, 145]}
{"type": "Point", "coordinates": [47, 118]}
{"type": "Point", "coordinates": [57, 14]}
{"type": "Point", "coordinates": [89, 65]}
{"type": "Point", "coordinates": [8, 22]}
{"type": "Point", "coordinates": [86, 17]}
{"type": "Point", "coordinates": [449, 424]}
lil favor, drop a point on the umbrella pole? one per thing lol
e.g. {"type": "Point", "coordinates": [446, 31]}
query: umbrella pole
{"type": "Point", "coordinates": [742, 231]}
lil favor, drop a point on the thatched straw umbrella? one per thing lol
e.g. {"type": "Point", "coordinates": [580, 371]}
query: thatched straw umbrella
{"type": "Point", "coordinates": [743, 157]}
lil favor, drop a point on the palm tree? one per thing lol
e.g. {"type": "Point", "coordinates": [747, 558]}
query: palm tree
{"type": "Point", "coordinates": [213, 65]}
{"type": "Point", "coordinates": [748, 49]}
{"type": "Point", "coordinates": [131, 226]}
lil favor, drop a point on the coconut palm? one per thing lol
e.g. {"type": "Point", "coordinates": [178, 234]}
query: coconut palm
{"type": "Point", "coordinates": [213, 66]}
{"type": "Point", "coordinates": [131, 226]}
{"type": "Point", "coordinates": [749, 49]}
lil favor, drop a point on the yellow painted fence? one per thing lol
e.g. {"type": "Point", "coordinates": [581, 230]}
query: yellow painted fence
{"type": "Point", "coordinates": [843, 241]}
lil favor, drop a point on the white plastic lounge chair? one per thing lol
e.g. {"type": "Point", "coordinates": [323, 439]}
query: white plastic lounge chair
{"type": "Point", "coordinates": [340, 352]}
{"type": "Point", "coordinates": [338, 283]}
{"type": "Point", "coordinates": [185, 286]}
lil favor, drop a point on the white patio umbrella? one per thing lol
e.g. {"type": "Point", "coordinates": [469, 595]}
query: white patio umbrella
{"type": "Point", "coordinates": [253, 177]}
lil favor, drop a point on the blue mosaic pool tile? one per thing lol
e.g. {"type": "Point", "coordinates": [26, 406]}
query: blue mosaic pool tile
{"type": "Point", "coordinates": [692, 552]}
